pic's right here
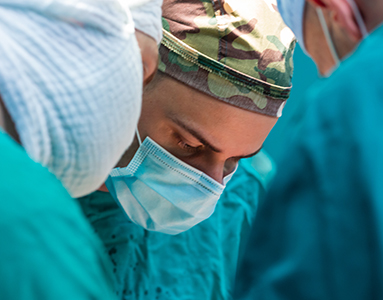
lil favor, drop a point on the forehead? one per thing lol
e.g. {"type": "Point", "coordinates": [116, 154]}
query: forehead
{"type": "Point", "coordinates": [224, 123]}
{"type": "Point", "coordinates": [241, 45]}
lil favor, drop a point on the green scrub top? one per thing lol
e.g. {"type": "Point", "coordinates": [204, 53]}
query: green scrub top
{"type": "Point", "coordinates": [197, 264]}
{"type": "Point", "coordinates": [47, 249]}
{"type": "Point", "coordinates": [319, 234]}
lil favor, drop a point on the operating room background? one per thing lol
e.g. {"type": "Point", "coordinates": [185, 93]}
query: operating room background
{"type": "Point", "coordinates": [305, 74]}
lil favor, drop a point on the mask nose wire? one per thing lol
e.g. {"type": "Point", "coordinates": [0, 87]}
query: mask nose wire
{"type": "Point", "coordinates": [327, 35]}
{"type": "Point", "coordinates": [138, 137]}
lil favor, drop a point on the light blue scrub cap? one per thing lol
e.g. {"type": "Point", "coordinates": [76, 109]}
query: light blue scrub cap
{"type": "Point", "coordinates": [147, 18]}
{"type": "Point", "coordinates": [71, 79]}
{"type": "Point", "coordinates": [292, 14]}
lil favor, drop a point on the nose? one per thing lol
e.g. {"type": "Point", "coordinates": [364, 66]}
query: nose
{"type": "Point", "coordinates": [215, 167]}
{"type": "Point", "coordinates": [229, 167]}
{"type": "Point", "coordinates": [215, 171]}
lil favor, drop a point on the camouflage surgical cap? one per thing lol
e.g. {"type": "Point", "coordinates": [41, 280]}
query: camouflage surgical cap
{"type": "Point", "coordinates": [239, 52]}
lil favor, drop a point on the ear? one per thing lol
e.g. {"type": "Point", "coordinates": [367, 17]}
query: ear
{"type": "Point", "coordinates": [318, 3]}
{"type": "Point", "coordinates": [343, 14]}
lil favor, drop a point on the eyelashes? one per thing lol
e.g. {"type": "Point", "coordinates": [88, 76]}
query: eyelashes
{"type": "Point", "coordinates": [190, 149]}
{"type": "Point", "coordinates": [185, 146]}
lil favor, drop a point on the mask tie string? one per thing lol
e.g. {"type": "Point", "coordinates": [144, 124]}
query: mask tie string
{"type": "Point", "coordinates": [358, 18]}
{"type": "Point", "coordinates": [138, 137]}
{"type": "Point", "coordinates": [327, 35]}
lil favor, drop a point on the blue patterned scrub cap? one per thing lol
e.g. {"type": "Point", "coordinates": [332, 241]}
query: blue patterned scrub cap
{"type": "Point", "coordinates": [292, 12]}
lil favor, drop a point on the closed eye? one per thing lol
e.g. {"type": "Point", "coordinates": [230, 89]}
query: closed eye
{"type": "Point", "coordinates": [186, 147]}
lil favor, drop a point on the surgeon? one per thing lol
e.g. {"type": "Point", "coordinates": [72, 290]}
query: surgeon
{"type": "Point", "coordinates": [222, 82]}
{"type": "Point", "coordinates": [64, 101]}
{"type": "Point", "coordinates": [223, 77]}
{"type": "Point", "coordinates": [319, 234]}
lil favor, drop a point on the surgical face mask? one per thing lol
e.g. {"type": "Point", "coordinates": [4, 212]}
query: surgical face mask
{"type": "Point", "coordinates": [162, 193]}
{"type": "Point", "coordinates": [328, 38]}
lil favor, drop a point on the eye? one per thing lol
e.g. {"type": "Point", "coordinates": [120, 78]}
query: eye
{"type": "Point", "coordinates": [187, 147]}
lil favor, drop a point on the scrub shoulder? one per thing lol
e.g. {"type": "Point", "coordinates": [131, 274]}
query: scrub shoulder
{"type": "Point", "coordinates": [48, 249]}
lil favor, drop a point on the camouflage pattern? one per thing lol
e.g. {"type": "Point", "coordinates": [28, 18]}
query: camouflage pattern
{"type": "Point", "coordinates": [239, 51]}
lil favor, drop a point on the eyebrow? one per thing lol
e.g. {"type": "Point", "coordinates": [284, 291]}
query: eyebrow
{"type": "Point", "coordinates": [203, 141]}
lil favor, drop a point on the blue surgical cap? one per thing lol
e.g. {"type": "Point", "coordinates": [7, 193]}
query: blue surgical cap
{"type": "Point", "coordinates": [292, 14]}
{"type": "Point", "coordinates": [147, 18]}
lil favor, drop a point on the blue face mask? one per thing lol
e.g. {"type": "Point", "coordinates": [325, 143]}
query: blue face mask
{"type": "Point", "coordinates": [162, 193]}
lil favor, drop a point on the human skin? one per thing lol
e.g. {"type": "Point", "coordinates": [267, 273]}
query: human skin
{"type": "Point", "coordinates": [204, 132]}
{"type": "Point", "coordinates": [149, 55]}
{"type": "Point", "coordinates": [344, 31]}
{"type": "Point", "coordinates": [315, 42]}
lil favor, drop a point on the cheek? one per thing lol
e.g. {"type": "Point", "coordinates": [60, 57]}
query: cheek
{"type": "Point", "coordinates": [153, 125]}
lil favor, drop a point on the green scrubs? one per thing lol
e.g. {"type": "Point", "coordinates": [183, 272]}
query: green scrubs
{"type": "Point", "coordinates": [47, 248]}
{"type": "Point", "coordinates": [319, 234]}
{"type": "Point", "coordinates": [197, 264]}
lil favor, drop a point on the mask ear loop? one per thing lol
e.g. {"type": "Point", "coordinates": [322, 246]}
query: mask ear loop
{"type": "Point", "coordinates": [327, 35]}
{"type": "Point", "coordinates": [138, 137]}
{"type": "Point", "coordinates": [358, 18]}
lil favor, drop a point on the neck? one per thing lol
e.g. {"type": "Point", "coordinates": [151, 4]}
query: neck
{"type": "Point", "coordinates": [6, 122]}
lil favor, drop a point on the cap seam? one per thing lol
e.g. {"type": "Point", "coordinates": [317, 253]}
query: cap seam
{"type": "Point", "coordinates": [212, 66]}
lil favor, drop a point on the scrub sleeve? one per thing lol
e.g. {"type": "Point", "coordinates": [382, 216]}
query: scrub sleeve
{"type": "Point", "coordinates": [319, 234]}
